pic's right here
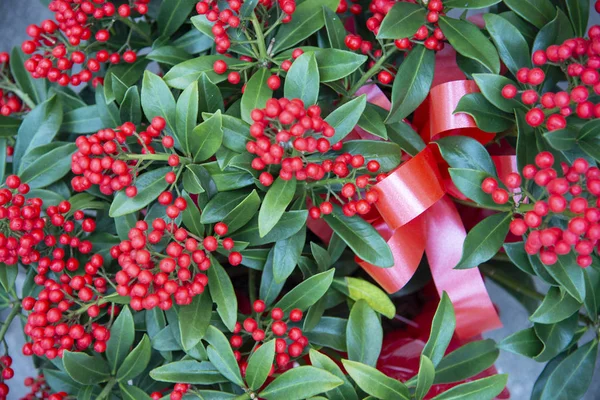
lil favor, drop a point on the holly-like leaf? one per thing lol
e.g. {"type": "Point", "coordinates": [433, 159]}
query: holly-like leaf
{"type": "Point", "coordinates": [491, 86]}
{"type": "Point", "coordinates": [136, 362]}
{"type": "Point", "coordinates": [470, 4]}
{"type": "Point", "coordinates": [256, 94]}
{"type": "Point", "coordinates": [376, 383]}
{"type": "Point", "coordinates": [343, 119]}
{"type": "Point", "coordinates": [186, 115]}
{"type": "Point", "coordinates": [465, 152]}
{"type": "Point", "coordinates": [277, 199]}
{"type": "Point", "coordinates": [149, 186]}
{"type": "Point", "coordinates": [484, 240]}
{"type": "Point", "coordinates": [300, 383]}
{"type": "Point", "coordinates": [50, 167]}
{"type": "Point", "coordinates": [335, 29]}
{"type": "Point", "coordinates": [157, 100]}
{"type": "Point", "coordinates": [410, 91]}
{"type": "Point", "coordinates": [85, 369]}
{"type": "Point", "coordinates": [182, 75]}
{"type": "Point", "coordinates": [569, 275]}
{"type": "Point", "coordinates": [172, 14]}
{"type": "Point", "coordinates": [307, 293]}
{"type": "Point", "coordinates": [579, 14]}
{"type": "Point", "coordinates": [259, 365]}
{"type": "Point", "coordinates": [555, 337]}
{"type": "Point", "coordinates": [402, 21]}
{"type": "Point", "coordinates": [466, 361]}
{"type": "Point", "coordinates": [221, 355]}
{"type": "Point", "coordinates": [442, 329]}
{"type": "Point", "coordinates": [486, 115]}
{"type": "Point", "coordinates": [359, 289]}
{"type": "Point", "coordinates": [364, 335]}
{"type": "Point", "coordinates": [302, 79]}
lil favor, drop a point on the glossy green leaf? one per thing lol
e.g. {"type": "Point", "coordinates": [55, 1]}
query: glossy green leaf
{"type": "Point", "coordinates": [50, 167]}
{"type": "Point", "coordinates": [579, 14]}
{"type": "Point", "coordinates": [364, 334]}
{"type": "Point", "coordinates": [372, 121]}
{"type": "Point", "coordinates": [484, 240]}
{"type": "Point", "coordinates": [188, 371]}
{"type": "Point", "coordinates": [194, 320]}
{"type": "Point", "coordinates": [486, 115]}
{"type": "Point", "coordinates": [592, 293]}
{"type": "Point", "coordinates": [359, 289]}
{"type": "Point", "coordinates": [133, 393]}
{"type": "Point", "coordinates": [191, 217]}
{"type": "Point", "coordinates": [537, 12]}
{"type": "Point", "coordinates": [562, 139]}
{"type": "Point", "coordinates": [243, 212]}
{"type": "Point", "coordinates": [169, 55]}
{"type": "Point", "coordinates": [335, 29]}
{"type": "Point", "coordinates": [307, 293]}
{"type": "Point", "coordinates": [172, 14]}
{"type": "Point", "coordinates": [343, 119]}
{"type": "Point", "coordinates": [472, 4]}
{"type": "Point", "coordinates": [385, 153]}
{"type": "Point", "coordinates": [278, 197]}
{"type": "Point", "coordinates": [361, 237]}
{"type": "Point", "coordinates": [206, 138]}
{"type": "Point", "coordinates": [485, 388]}
{"type": "Point", "coordinates": [516, 253]}
{"type": "Point", "coordinates": [122, 335]}
{"type": "Point", "coordinates": [511, 45]}
{"type": "Point", "coordinates": [410, 91]}
{"type": "Point", "coordinates": [376, 383]}
{"type": "Point", "coordinates": [186, 117]}
{"type": "Point", "coordinates": [157, 100]}
{"type": "Point", "coordinates": [466, 361]}
{"type": "Point", "coordinates": [343, 392]}
{"type": "Point", "coordinates": [300, 383]}
{"type": "Point", "coordinates": [270, 288]}
{"type": "Point", "coordinates": [491, 86]}
{"type": "Point", "coordinates": [236, 133]}
{"type": "Point", "coordinates": [569, 275]}
{"type": "Point", "coordinates": [9, 126]}
{"type": "Point", "coordinates": [468, 40]}
{"type": "Point", "coordinates": [425, 377]}
{"type": "Point", "coordinates": [123, 75]}
{"type": "Point", "coordinates": [442, 329]}
{"type": "Point", "coordinates": [554, 32]}
{"type": "Point", "coordinates": [402, 21]}
{"type": "Point", "coordinates": [131, 110]}
{"type": "Point", "coordinates": [259, 365]}
{"type": "Point", "coordinates": [286, 255]}
{"type": "Point", "coordinates": [36, 89]}
{"type": "Point", "coordinates": [558, 305]}
{"type": "Point", "coordinates": [85, 369]}
{"type": "Point", "coordinates": [555, 337]}
{"type": "Point", "coordinates": [289, 224]}
{"type": "Point", "coordinates": [256, 94]}
{"type": "Point", "coordinates": [524, 342]}
{"type": "Point", "coordinates": [302, 79]}
{"type": "Point", "coordinates": [136, 362]}
{"type": "Point", "coordinates": [149, 185]}
{"type": "Point", "coordinates": [465, 152]}
{"type": "Point", "coordinates": [329, 332]}
{"type": "Point", "coordinates": [181, 75]}
{"type": "Point", "coordinates": [211, 98]}
{"type": "Point", "coordinates": [405, 136]}
{"type": "Point", "coordinates": [82, 120]}
{"type": "Point", "coordinates": [222, 293]}
{"type": "Point", "coordinates": [221, 355]}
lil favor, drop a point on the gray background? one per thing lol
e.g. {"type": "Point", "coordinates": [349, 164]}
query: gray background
{"type": "Point", "coordinates": [15, 15]}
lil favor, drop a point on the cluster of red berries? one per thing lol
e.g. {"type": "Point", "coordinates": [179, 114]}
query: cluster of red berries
{"type": "Point", "coordinates": [6, 374]}
{"type": "Point", "coordinates": [150, 279]}
{"type": "Point", "coordinates": [356, 197]}
{"type": "Point", "coordinates": [9, 102]}
{"type": "Point", "coordinates": [39, 389]}
{"type": "Point", "coordinates": [290, 342]}
{"type": "Point", "coordinates": [573, 195]}
{"type": "Point", "coordinates": [179, 390]}
{"type": "Point", "coordinates": [60, 43]}
{"type": "Point", "coordinates": [102, 158]}
{"type": "Point", "coordinates": [580, 59]}
{"type": "Point", "coordinates": [22, 223]}
{"type": "Point", "coordinates": [285, 126]}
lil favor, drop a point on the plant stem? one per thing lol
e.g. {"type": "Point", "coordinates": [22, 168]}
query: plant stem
{"type": "Point", "coordinates": [104, 394]}
{"type": "Point", "coordinates": [370, 72]}
{"type": "Point", "coordinates": [260, 39]}
{"type": "Point", "coordinates": [13, 313]}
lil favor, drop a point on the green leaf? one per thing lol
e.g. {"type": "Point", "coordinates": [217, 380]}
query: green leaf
{"type": "Point", "coordinates": [82, 120]}
{"type": "Point", "coordinates": [512, 46]}
{"type": "Point", "coordinates": [256, 93]}
{"type": "Point", "coordinates": [359, 289]}
{"type": "Point", "coordinates": [405, 136]}
{"type": "Point", "coordinates": [486, 115]}
{"type": "Point", "coordinates": [9, 126]}
{"type": "Point", "coordinates": [386, 153]}
{"type": "Point", "coordinates": [186, 116]}
{"type": "Point", "coordinates": [269, 287]}
{"type": "Point", "coordinates": [329, 332]}
{"type": "Point", "coordinates": [194, 42]}
{"type": "Point", "coordinates": [149, 184]}
{"type": "Point", "coordinates": [172, 14]}
{"type": "Point", "coordinates": [558, 305]}
{"type": "Point", "coordinates": [485, 388]}
{"type": "Point", "coordinates": [592, 300]}
{"type": "Point", "coordinates": [484, 240]}
{"type": "Point", "coordinates": [287, 252]}
{"type": "Point", "coordinates": [467, 39]}
{"type": "Point", "coordinates": [537, 12]}
{"type": "Point", "coordinates": [518, 256]}
{"type": "Point", "coordinates": [243, 212]}
{"type": "Point", "coordinates": [471, 4]}
{"type": "Point", "coordinates": [122, 335]}
{"type": "Point", "coordinates": [181, 75]}
{"type": "Point", "coordinates": [300, 383]}
{"type": "Point", "coordinates": [276, 200]}
{"type": "Point", "coordinates": [321, 256]}
{"type": "Point", "coordinates": [524, 342]}
{"type": "Point", "coordinates": [562, 139]}
{"type": "Point", "coordinates": [410, 91]}
{"type": "Point", "coordinates": [442, 329]}
{"type": "Point", "coordinates": [425, 377]}
{"type": "Point", "coordinates": [491, 86]}
{"type": "Point", "coordinates": [130, 110]}
{"type": "Point", "coordinates": [556, 31]}
{"type": "Point", "coordinates": [466, 361]}
{"type": "Point", "coordinates": [194, 320]}
{"type": "Point", "coordinates": [133, 393]}
{"type": "Point", "coordinates": [307, 293]}
{"type": "Point", "coordinates": [136, 362]}
{"type": "Point", "coordinates": [157, 100]}
{"type": "Point", "coordinates": [372, 122]}
{"type": "Point", "coordinates": [465, 152]}
{"type": "Point", "coordinates": [336, 64]}
{"type": "Point", "coordinates": [169, 55]}
{"type": "Point", "coordinates": [206, 138]}
{"type": "Point", "coordinates": [221, 291]}
{"type": "Point", "coordinates": [191, 217]}
{"type": "Point", "coordinates": [555, 337]}
{"type": "Point", "coordinates": [236, 133]}
{"type": "Point", "coordinates": [343, 392]}
{"type": "Point", "coordinates": [308, 18]}
{"type": "Point", "coordinates": [302, 79]}
{"type": "Point", "coordinates": [468, 181]}
{"type": "Point", "coordinates": [8, 276]}
{"type": "Point", "coordinates": [569, 275]}
{"type": "Point", "coordinates": [85, 369]}
{"type": "Point", "coordinates": [402, 21]}
{"type": "Point", "coordinates": [36, 89]}
{"type": "Point", "coordinates": [579, 14]}
{"type": "Point", "coordinates": [375, 383]}
{"type": "Point", "coordinates": [221, 355]}
{"type": "Point", "coordinates": [123, 76]}
{"type": "Point", "coordinates": [50, 167]}
{"type": "Point", "coordinates": [188, 371]}
{"type": "Point", "coordinates": [573, 376]}
{"type": "Point", "coordinates": [39, 127]}
{"type": "Point", "coordinates": [211, 98]}
{"type": "Point", "coordinates": [361, 237]}
{"type": "Point", "coordinates": [343, 119]}
{"type": "Point", "coordinates": [364, 335]}
{"type": "Point", "coordinates": [259, 365]}
{"type": "Point", "coordinates": [290, 223]}
{"type": "Point", "coordinates": [335, 29]}
{"type": "Point", "coordinates": [221, 205]}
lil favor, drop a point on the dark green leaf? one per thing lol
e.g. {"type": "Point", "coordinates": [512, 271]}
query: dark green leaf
{"type": "Point", "coordinates": [562, 139]}
{"type": "Point", "coordinates": [82, 120]}
{"type": "Point", "coordinates": [157, 100]}
{"type": "Point", "coordinates": [274, 204]}
{"type": "Point", "coordinates": [404, 135]}
{"type": "Point", "coordinates": [470, 3]}
{"type": "Point", "coordinates": [50, 167]}
{"type": "Point", "coordinates": [259, 365]}
{"type": "Point", "coordinates": [307, 293]}
{"type": "Point", "coordinates": [236, 133]}
{"type": "Point", "coordinates": [149, 185]}
{"type": "Point", "coordinates": [335, 29]}
{"type": "Point", "coordinates": [491, 86]}
{"type": "Point", "coordinates": [485, 388]}
{"type": "Point", "coordinates": [8, 276]}
{"type": "Point", "coordinates": [402, 21]}
{"type": "Point", "coordinates": [385, 153]}
{"type": "Point", "coordinates": [569, 275]}
{"type": "Point", "coordinates": [122, 334]}
{"type": "Point", "coordinates": [172, 14]}
{"type": "Point", "coordinates": [186, 116]}
{"type": "Point", "coordinates": [36, 89]}
{"type": "Point", "coordinates": [329, 332]}
{"type": "Point", "coordinates": [136, 362]}
{"type": "Point", "coordinates": [372, 122]}
{"type": "Point", "coordinates": [523, 342]}
{"type": "Point", "coordinates": [516, 253]}
{"type": "Point", "coordinates": [343, 392]}
{"type": "Point", "coordinates": [133, 393]}
{"type": "Point", "coordinates": [181, 75]}
{"type": "Point", "coordinates": [191, 217]}
{"type": "Point", "coordinates": [364, 335]}
{"type": "Point", "coordinates": [425, 377]}
{"type": "Point", "coordinates": [486, 115]}
{"type": "Point", "coordinates": [269, 287]}
{"type": "Point", "coordinates": [286, 255]}
{"type": "Point", "coordinates": [484, 240]}
{"type": "Point", "coordinates": [256, 93]}
{"type": "Point", "coordinates": [410, 91]}
{"type": "Point", "coordinates": [188, 371]}
{"type": "Point", "coordinates": [555, 337]}
{"type": "Point", "coordinates": [221, 355]}
{"type": "Point", "coordinates": [123, 75]}
{"type": "Point", "coordinates": [512, 46]}
{"type": "Point", "coordinates": [579, 14]}
{"type": "Point", "coordinates": [169, 55]}
{"type": "Point", "coordinates": [376, 383]}
{"type": "Point", "coordinates": [468, 181]}
{"type": "Point", "coordinates": [9, 126]}
{"type": "Point", "coordinates": [465, 152]}
{"type": "Point", "coordinates": [85, 369]}
{"type": "Point", "coordinates": [302, 79]}
{"type": "Point", "coordinates": [466, 361]}
{"type": "Point", "coordinates": [211, 99]}
{"type": "Point", "coordinates": [554, 32]}
{"type": "Point", "coordinates": [343, 119]}
{"type": "Point", "coordinates": [592, 294]}
{"type": "Point", "coordinates": [130, 110]}
{"type": "Point", "coordinates": [537, 12]}
{"type": "Point", "coordinates": [359, 289]}
{"type": "Point", "coordinates": [243, 212]}
{"type": "Point", "coordinates": [206, 138]}
{"type": "Point", "coordinates": [289, 224]}
{"type": "Point", "coordinates": [300, 383]}
{"type": "Point", "coordinates": [442, 329]}
{"type": "Point", "coordinates": [558, 305]}
{"type": "Point", "coordinates": [222, 293]}
{"type": "Point", "coordinates": [194, 320]}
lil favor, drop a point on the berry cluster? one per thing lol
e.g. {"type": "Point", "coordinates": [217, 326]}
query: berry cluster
{"type": "Point", "coordinates": [104, 158]}
{"type": "Point", "coordinates": [290, 341]}
{"type": "Point", "coordinates": [63, 42]}
{"type": "Point", "coordinates": [9, 101]}
{"type": "Point", "coordinates": [41, 390]}
{"type": "Point", "coordinates": [7, 374]}
{"type": "Point", "coordinates": [580, 59]}
{"type": "Point", "coordinates": [573, 196]}
{"type": "Point", "coordinates": [179, 390]}
{"type": "Point", "coordinates": [150, 278]}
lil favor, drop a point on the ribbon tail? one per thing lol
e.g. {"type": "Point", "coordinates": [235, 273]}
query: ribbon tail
{"type": "Point", "coordinates": [445, 234]}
